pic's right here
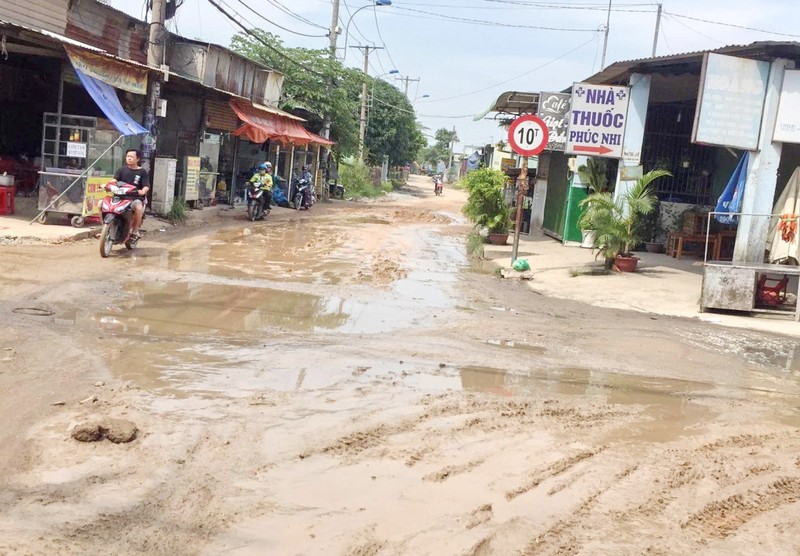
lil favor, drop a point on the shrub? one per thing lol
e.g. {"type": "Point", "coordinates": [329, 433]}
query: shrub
{"type": "Point", "coordinates": [486, 205]}
{"type": "Point", "coordinates": [355, 176]}
{"type": "Point", "coordinates": [178, 213]}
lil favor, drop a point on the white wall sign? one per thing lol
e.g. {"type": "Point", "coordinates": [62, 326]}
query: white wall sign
{"type": "Point", "coordinates": [597, 120]}
{"type": "Point", "coordinates": [730, 102]}
{"type": "Point", "coordinates": [77, 150]}
{"type": "Point", "coordinates": [787, 124]}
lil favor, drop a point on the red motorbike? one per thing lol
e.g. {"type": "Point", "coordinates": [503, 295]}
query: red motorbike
{"type": "Point", "coordinates": [117, 214]}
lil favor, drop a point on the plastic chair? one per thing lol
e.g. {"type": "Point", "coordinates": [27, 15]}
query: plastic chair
{"type": "Point", "coordinates": [772, 291]}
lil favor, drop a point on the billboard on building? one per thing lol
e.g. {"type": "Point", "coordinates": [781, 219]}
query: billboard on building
{"type": "Point", "coordinates": [730, 102]}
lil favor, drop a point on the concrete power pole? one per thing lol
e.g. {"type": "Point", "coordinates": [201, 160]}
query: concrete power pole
{"type": "Point", "coordinates": [325, 132]}
{"type": "Point", "coordinates": [605, 39]}
{"type": "Point", "coordinates": [362, 130]}
{"type": "Point", "coordinates": [155, 59]}
{"type": "Point", "coordinates": [406, 81]}
{"type": "Point", "coordinates": [655, 36]}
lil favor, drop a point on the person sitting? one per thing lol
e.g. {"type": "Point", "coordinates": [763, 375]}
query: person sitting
{"type": "Point", "coordinates": [134, 174]}
{"type": "Point", "coordinates": [263, 181]}
{"type": "Point", "coordinates": [306, 175]}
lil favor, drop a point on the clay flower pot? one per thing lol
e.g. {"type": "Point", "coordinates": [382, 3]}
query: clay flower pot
{"type": "Point", "coordinates": [626, 264]}
{"type": "Point", "coordinates": [498, 239]}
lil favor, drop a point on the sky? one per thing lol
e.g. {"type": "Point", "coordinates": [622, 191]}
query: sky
{"type": "Point", "coordinates": [463, 54]}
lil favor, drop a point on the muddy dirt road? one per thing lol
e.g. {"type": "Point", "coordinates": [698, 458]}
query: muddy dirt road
{"type": "Point", "coordinates": [347, 382]}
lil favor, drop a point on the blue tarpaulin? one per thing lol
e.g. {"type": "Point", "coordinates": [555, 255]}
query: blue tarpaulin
{"type": "Point", "coordinates": [106, 98]}
{"type": "Point", "coordinates": [731, 199]}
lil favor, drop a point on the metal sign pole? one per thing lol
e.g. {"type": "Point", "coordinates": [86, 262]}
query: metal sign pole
{"type": "Point", "coordinates": [522, 188]}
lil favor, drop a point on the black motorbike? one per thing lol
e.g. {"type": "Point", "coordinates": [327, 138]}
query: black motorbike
{"type": "Point", "coordinates": [302, 196]}
{"type": "Point", "coordinates": [257, 199]}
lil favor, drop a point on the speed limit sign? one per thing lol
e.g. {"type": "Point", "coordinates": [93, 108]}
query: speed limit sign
{"type": "Point", "coordinates": [528, 135]}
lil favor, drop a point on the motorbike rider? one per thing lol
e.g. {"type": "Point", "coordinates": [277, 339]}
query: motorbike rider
{"type": "Point", "coordinates": [306, 175]}
{"type": "Point", "coordinates": [135, 175]}
{"type": "Point", "coordinates": [263, 180]}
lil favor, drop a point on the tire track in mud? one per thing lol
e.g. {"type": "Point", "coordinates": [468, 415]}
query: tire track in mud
{"type": "Point", "coordinates": [556, 468]}
{"type": "Point", "coordinates": [724, 517]}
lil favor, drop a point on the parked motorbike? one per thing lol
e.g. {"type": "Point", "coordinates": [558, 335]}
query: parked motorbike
{"type": "Point", "coordinates": [336, 189]}
{"type": "Point", "coordinates": [303, 196]}
{"type": "Point", "coordinates": [257, 199]}
{"type": "Point", "coordinates": [117, 215]}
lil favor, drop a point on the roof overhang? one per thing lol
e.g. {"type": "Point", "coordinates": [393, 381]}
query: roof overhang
{"type": "Point", "coordinates": [512, 103]}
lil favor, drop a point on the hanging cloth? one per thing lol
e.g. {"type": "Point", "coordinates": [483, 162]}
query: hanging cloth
{"type": "Point", "coordinates": [731, 199]}
{"type": "Point", "coordinates": [783, 240]}
{"type": "Point", "coordinates": [106, 98]}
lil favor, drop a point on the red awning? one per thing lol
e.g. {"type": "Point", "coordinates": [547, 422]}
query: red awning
{"type": "Point", "coordinates": [262, 125]}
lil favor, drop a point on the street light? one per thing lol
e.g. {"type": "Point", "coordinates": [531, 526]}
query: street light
{"type": "Point", "coordinates": [372, 92]}
{"type": "Point", "coordinates": [375, 4]}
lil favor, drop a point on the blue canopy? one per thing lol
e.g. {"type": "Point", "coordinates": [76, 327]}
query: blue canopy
{"type": "Point", "coordinates": [731, 199]}
{"type": "Point", "coordinates": [106, 98]}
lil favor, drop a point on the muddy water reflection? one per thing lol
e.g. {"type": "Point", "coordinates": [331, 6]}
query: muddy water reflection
{"type": "Point", "coordinates": [176, 308]}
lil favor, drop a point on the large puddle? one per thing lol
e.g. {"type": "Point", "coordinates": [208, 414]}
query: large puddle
{"type": "Point", "coordinates": [239, 283]}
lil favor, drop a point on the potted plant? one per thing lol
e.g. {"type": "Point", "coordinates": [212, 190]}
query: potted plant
{"type": "Point", "coordinates": [647, 230]}
{"type": "Point", "coordinates": [594, 176]}
{"type": "Point", "coordinates": [486, 205]}
{"type": "Point", "coordinates": [617, 222]}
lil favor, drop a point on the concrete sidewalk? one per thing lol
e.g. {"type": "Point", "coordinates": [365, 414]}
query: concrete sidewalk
{"type": "Point", "coordinates": [17, 227]}
{"type": "Point", "coordinates": [661, 284]}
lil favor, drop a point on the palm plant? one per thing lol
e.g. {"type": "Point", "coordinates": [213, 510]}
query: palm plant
{"type": "Point", "coordinates": [593, 175]}
{"type": "Point", "coordinates": [615, 221]}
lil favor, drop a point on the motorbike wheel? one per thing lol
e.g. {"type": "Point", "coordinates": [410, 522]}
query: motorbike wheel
{"type": "Point", "coordinates": [298, 201]}
{"type": "Point", "coordinates": [107, 238]}
{"type": "Point", "coordinates": [252, 209]}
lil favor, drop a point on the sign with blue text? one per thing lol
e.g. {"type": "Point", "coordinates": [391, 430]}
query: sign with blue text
{"type": "Point", "coordinates": [730, 101]}
{"type": "Point", "coordinates": [597, 120]}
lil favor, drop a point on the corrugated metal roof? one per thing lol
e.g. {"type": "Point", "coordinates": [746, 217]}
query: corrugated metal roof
{"type": "Point", "coordinates": [66, 40]}
{"type": "Point", "coordinates": [692, 61]}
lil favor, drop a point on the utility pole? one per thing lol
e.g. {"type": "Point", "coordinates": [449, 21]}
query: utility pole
{"type": "Point", "coordinates": [155, 59]}
{"type": "Point", "coordinates": [325, 132]}
{"type": "Point", "coordinates": [407, 80]}
{"type": "Point", "coordinates": [605, 40]}
{"type": "Point", "coordinates": [655, 36]}
{"type": "Point", "coordinates": [333, 34]}
{"type": "Point", "coordinates": [362, 130]}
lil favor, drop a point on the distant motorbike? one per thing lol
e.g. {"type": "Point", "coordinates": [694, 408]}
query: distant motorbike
{"type": "Point", "coordinates": [438, 185]}
{"type": "Point", "coordinates": [303, 196]}
{"type": "Point", "coordinates": [257, 199]}
{"type": "Point", "coordinates": [117, 215]}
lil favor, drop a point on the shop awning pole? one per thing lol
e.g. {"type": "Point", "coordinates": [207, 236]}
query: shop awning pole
{"type": "Point", "coordinates": [53, 202]}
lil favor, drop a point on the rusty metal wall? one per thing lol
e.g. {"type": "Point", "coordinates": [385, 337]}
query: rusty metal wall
{"type": "Point", "coordinates": [93, 23]}
{"type": "Point", "coordinates": [50, 15]}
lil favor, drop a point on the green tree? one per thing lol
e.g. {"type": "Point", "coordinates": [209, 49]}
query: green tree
{"type": "Point", "coordinates": [441, 149]}
{"type": "Point", "coordinates": [392, 128]}
{"type": "Point", "coordinates": [326, 87]}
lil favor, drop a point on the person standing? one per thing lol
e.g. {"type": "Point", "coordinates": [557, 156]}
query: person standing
{"type": "Point", "coordinates": [133, 174]}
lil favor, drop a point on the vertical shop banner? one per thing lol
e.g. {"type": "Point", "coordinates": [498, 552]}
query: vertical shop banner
{"type": "Point", "coordinates": [94, 194]}
{"type": "Point", "coordinates": [787, 124]}
{"type": "Point", "coordinates": [597, 120]}
{"type": "Point", "coordinates": [192, 177]}
{"type": "Point", "coordinates": [554, 110]}
{"type": "Point", "coordinates": [730, 102]}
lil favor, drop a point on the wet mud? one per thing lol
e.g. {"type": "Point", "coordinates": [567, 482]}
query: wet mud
{"type": "Point", "coordinates": [348, 382]}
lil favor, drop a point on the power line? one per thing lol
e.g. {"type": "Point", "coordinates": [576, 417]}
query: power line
{"type": "Point", "coordinates": [732, 25]}
{"type": "Point", "coordinates": [516, 77]}
{"type": "Point", "coordinates": [295, 15]}
{"type": "Point", "coordinates": [275, 24]}
{"type": "Point", "coordinates": [260, 39]}
{"type": "Point", "coordinates": [491, 23]}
